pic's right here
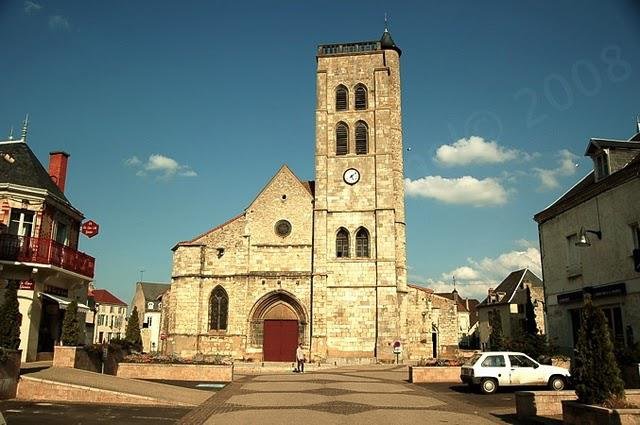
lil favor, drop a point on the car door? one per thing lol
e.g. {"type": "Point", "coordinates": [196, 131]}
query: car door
{"type": "Point", "coordinates": [495, 366]}
{"type": "Point", "coordinates": [522, 370]}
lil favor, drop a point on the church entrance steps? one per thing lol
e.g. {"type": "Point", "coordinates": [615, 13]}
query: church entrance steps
{"type": "Point", "coordinates": [258, 368]}
{"type": "Point", "coordinates": [75, 385]}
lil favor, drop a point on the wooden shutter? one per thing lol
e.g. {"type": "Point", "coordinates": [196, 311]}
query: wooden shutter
{"type": "Point", "coordinates": [342, 139]}
{"type": "Point", "coordinates": [362, 136]}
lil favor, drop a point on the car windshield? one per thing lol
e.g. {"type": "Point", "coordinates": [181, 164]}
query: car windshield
{"type": "Point", "coordinates": [473, 360]}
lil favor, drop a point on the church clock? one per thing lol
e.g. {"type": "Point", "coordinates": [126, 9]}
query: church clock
{"type": "Point", "coordinates": [351, 176]}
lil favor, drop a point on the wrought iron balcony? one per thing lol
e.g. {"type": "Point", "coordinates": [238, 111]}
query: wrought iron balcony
{"type": "Point", "coordinates": [45, 251]}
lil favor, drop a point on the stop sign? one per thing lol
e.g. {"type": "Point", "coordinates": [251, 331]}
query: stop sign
{"type": "Point", "coordinates": [90, 228]}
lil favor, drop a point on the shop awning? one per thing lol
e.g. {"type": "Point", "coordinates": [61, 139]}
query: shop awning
{"type": "Point", "coordinates": [63, 302]}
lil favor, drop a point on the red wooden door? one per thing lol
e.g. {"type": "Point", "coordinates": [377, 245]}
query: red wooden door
{"type": "Point", "coordinates": [280, 340]}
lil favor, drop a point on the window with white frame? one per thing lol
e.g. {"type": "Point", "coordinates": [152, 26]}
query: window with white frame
{"type": "Point", "coordinates": [21, 222]}
{"type": "Point", "coordinates": [149, 321]}
{"type": "Point", "coordinates": [150, 305]}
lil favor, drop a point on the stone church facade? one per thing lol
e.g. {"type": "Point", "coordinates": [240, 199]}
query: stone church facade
{"type": "Point", "coordinates": [323, 262]}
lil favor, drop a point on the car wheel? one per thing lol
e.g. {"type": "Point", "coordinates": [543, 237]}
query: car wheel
{"type": "Point", "coordinates": [557, 383]}
{"type": "Point", "coordinates": [489, 386]}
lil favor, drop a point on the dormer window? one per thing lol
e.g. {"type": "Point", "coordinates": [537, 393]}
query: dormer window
{"type": "Point", "coordinates": [601, 163]}
{"type": "Point", "coordinates": [150, 306]}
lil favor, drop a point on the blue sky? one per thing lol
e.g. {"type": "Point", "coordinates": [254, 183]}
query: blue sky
{"type": "Point", "coordinates": [177, 113]}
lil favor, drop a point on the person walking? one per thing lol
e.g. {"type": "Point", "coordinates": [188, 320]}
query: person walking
{"type": "Point", "coordinates": [300, 358]}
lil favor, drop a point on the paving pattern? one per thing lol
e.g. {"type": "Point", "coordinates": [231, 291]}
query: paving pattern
{"type": "Point", "coordinates": [366, 395]}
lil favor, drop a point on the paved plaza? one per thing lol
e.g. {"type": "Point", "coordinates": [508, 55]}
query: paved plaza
{"type": "Point", "coordinates": [364, 395]}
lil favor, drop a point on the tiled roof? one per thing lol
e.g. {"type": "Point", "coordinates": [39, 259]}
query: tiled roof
{"type": "Point", "coordinates": [102, 296]}
{"type": "Point", "coordinates": [151, 290]}
{"type": "Point", "coordinates": [420, 288]}
{"type": "Point", "coordinates": [511, 284]}
{"type": "Point", "coordinates": [26, 169]}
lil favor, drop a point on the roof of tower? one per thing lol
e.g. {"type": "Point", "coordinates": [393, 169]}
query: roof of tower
{"type": "Point", "coordinates": [387, 43]}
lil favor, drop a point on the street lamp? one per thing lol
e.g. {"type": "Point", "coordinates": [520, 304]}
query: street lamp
{"type": "Point", "coordinates": [583, 239]}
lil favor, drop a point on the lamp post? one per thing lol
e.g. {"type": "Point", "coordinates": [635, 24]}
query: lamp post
{"type": "Point", "coordinates": [583, 238]}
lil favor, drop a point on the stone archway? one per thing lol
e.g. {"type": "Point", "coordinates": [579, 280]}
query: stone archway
{"type": "Point", "coordinates": [278, 324]}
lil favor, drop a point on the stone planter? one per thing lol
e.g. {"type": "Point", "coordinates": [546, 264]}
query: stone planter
{"type": "Point", "coordinates": [631, 375]}
{"type": "Point", "coordinates": [9, 374]}
{"type": "Point", "coordinates": [74, 357]}
{"type": "Point", "coordinates": [425, 374]}
{"type": "Point", "coordinates": [574, 413]}
{"type": "Point", "coordinates": [176, 372]}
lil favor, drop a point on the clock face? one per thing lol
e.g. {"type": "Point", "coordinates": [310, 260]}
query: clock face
{"type": "Point", "coordinates": [351, 176]}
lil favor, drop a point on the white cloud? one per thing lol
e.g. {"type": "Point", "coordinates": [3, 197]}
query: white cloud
{"type": "Point", "coordinates": [477, 276]}
{"type": "Point", "coordinates": [31, 7]}
{"type": "Point", "coordinates": [162, 166]}
{"type": "Point", "coordinates": [463, 272]}
{"type": "Point", "coordinates": [465, 190]}
{"type": "Point", "coordinates": [59, 23]}
{"type": "Point", "coordinates": [133, 161]}
{"type": "Point", "coordinates": [476, 150]}
{"type": "Point", "coordinates": [567, 166]}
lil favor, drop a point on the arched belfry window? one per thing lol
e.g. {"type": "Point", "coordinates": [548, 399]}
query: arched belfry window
{"type": "Point", "coordinates": [218, 309]}
{"type": "Point", "coordinates": [342, 243]}
{"type": "Point", "coordinates": [342, 98]}
{"type": "Point", "coordinates": [342, 139]}
{"type": "Point", "coordinates": [361, 97]}
{"type": "Point", "coordinates": [362, 243]}
{"type": "Point", "coordinates": [362, 138]}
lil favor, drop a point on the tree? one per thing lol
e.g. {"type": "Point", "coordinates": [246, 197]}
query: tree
{"type": "Point", "coordinates": [71, 332]}
{"type": "Point", "coordinates": [530, 325]}
{"type": "Point", "coordinates": [132, 333]}
{"type": "Point", "coordinates": [10, 318]}
{"type": "Point", "coordinates": [594, 368]}
{"type": "Point", "coordinates": [496, 338]}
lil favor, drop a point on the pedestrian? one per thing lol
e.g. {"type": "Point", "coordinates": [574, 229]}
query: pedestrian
{"type": "Point", "coordinates": [300, 358]}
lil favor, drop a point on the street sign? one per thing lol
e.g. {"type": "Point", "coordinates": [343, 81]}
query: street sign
{"type": "Point", "coordinates": [397, 347]}
{"type": "Point", "coordinates": [27, 285]}
{"type": "Point", "coordinates": [90, 228]}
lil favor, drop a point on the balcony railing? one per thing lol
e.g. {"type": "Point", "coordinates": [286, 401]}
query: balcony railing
{"type": "Point", "coordinates": [45, 251]}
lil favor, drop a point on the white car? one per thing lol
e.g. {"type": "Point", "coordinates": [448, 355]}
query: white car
{"type": "Point", "coordinates": [504, 368]}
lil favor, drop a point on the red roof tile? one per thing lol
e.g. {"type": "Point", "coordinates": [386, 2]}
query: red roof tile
{"type": "Point", "coordinates": [102, 296]}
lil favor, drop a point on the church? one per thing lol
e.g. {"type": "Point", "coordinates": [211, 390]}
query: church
{"type": "Point", "coordinates": [319, 263]}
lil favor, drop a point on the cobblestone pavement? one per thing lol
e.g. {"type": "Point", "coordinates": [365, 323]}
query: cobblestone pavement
{"type": "Point", "coordinates": [366, 395]}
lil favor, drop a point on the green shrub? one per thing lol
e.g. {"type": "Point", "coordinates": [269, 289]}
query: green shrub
{"type": "Point", "coordinates": [496, 338]}
{"type": "Point", "coordinates": [10, 318]}
{"type": "Point", "coordinates": [594, 369]}
{"type": "Point", "coordinates": [71, 332]}
{"type": "Point", "coordinates": [132, 333]}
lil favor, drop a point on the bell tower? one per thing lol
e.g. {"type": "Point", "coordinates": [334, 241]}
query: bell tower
{"type": "Point", "coordinates": [359, 261]}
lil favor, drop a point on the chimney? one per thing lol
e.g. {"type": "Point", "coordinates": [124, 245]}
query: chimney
{"type": "Point", "coordinates": [58, 168]}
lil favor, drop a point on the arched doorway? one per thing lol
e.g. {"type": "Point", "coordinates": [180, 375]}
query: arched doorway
{"type": "Point", "coordinates": [278, 324]}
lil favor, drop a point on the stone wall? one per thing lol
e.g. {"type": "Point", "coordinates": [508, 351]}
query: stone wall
{"type": "Point", "coordinates": [176, 372]}
{"type": "Point", "coordinates": [418, 374]}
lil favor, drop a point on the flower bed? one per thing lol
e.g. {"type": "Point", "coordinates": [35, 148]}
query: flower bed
{"type": "Point", "coordinates": [155, 358]}
{"type": "Point", "coordinates": [174, 368]}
